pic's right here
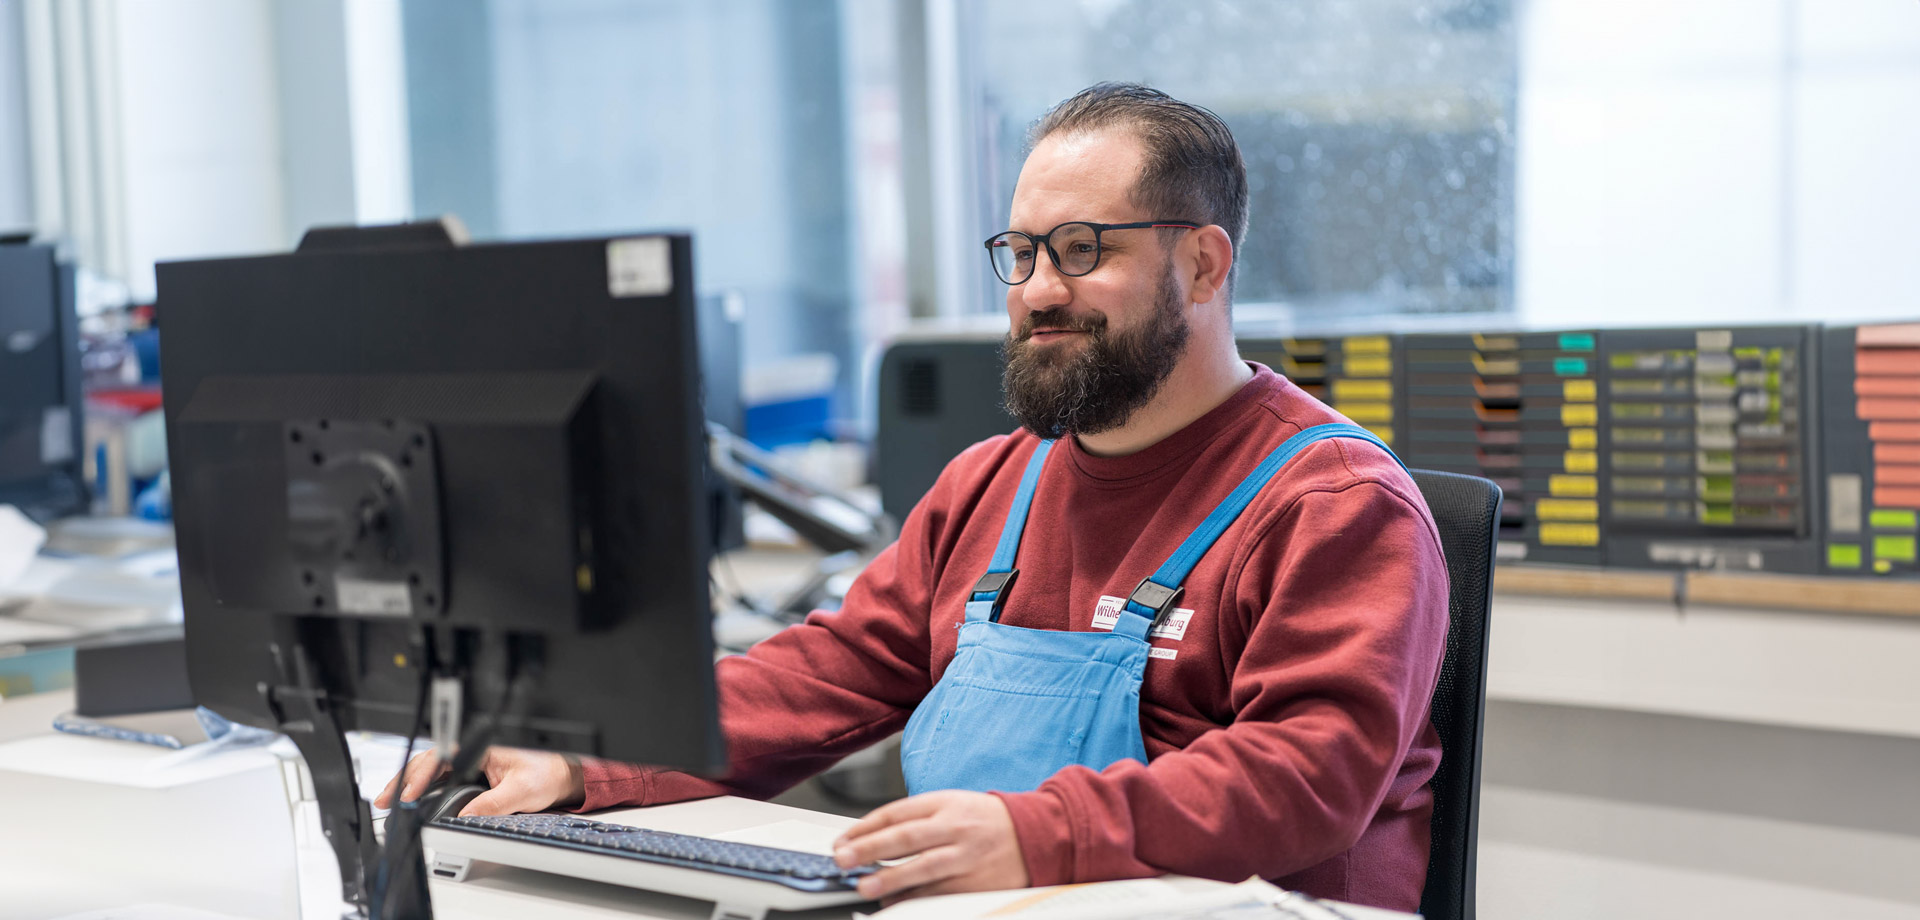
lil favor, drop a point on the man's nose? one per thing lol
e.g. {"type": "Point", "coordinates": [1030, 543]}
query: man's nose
{"type": "Point", "coordinates": [1047, 288]}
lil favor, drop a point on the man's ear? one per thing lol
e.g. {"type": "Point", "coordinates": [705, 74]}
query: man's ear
{"type": "Point", "coordinates": [1212, 261]}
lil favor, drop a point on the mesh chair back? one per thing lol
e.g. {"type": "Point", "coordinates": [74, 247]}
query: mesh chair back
{"type": "Point", "coordinates": [1467, 511]}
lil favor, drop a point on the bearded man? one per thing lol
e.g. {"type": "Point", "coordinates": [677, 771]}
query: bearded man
{"type": "Point", "coordinates": [1187, 619]}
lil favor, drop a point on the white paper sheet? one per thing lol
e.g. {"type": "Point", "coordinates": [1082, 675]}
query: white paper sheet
{"type": "Point", "coordinates": [148, 912]}
{"type": "Point", "coordinates": [20, 542]}
{"type": "Point", "coordinates": [126, 763]}
{"type": "Point", "coordinates": [786, 835]}
{"type": "Point", "coordinates": [12, 630]}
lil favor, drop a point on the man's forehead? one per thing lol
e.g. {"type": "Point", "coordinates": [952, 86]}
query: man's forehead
{"type": "Point", "coordinates": [1087, 175]}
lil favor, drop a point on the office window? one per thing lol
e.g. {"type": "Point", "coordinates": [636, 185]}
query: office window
{"type": "Point", "coordinates": [540, 118]}
{"type": "Point", "coordinates": [1378, 134]}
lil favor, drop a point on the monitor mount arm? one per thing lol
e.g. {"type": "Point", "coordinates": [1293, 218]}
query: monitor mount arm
{"type": "Point", "coordinates": [309, 716]}
{"type": "Point", "coordinates": [376, 882]}
{"type": "Point", "coordinates": [364, 524]}
{"type": "Point", "coordinates": [849, 537]}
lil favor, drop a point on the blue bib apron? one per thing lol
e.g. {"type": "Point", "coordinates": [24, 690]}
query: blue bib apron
{"type": "Point", "coordinates": [1016, 705]}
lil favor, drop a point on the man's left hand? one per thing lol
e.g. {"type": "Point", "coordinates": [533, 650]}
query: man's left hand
{"type": "Point", "coordinates": [964, 841]}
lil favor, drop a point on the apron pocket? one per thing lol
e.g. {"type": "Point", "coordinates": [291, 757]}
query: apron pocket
{"type": "Point", "coordinates": [996, 736]}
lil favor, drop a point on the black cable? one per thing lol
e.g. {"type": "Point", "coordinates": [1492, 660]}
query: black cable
{"type": "Point", "coordinates": [462, 769]}
{"type": "Point", "coordinates": [409, 833]}
{"type": "Point", "coordinates": [423, 653]}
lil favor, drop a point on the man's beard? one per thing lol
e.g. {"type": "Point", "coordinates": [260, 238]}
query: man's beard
{"type": "Point", "coordinates": [1056, 389]}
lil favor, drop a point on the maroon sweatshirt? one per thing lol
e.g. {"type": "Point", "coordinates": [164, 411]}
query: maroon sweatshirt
{"type": "Point", "coordinates": [1286, 728]}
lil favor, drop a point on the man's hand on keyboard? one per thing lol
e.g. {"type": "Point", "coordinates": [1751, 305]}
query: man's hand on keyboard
{"type": "Point", "coordinates": [522, 781]}
{"type": "Point", "coordinates": [964, 841]}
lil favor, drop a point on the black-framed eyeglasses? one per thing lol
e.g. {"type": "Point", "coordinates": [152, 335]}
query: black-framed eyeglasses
{"type": "Point", "coordinates": [1074, 247]}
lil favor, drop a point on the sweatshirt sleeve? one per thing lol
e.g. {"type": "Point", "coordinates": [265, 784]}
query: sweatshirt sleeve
{"type": "Point", "coordinates": [1345, 593]}
{"type": "Point", "coordinates": [813, 693]}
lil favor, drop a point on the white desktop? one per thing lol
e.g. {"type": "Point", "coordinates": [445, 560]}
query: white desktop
{"type": "Point", "coordinates": [98, 828]}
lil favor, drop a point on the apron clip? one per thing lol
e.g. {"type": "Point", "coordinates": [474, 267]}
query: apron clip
{"type": "Point", "coordinates": [996, 584]}
{"type": "Point", "coordinates": [1156, 597]}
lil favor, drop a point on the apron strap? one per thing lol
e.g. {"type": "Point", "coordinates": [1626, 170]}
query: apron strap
{"type": "Point", "coordinates": [1157, 594]}
{"type": "Point", "coordinates": [992, 587]}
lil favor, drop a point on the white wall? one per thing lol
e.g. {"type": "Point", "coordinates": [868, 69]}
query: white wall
{"type": "Point", "coordinates": [341, 113]}
{"type": "Point", "coordinates": [1673, 762]}
{"type": "Point", "coordinates": [206, 128]}
{"type": "Point", "coordinates": [201, 168]}
{"type": "Point", "coordinates": [1717, 161]}
{"type": "Point", "coordinates": [376, 87]}
{"type": "Point", "coordinates": [612, 117]}
{"type": "Point", "coordinates": [1593, 814]}
{"type": "Point", "coordinates": [315, 119]}
{"type": "Point", "coordinates": [1857, 158]}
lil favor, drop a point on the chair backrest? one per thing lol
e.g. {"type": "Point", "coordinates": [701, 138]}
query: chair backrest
{"type": "Point", "coordinates": [1467, 511]}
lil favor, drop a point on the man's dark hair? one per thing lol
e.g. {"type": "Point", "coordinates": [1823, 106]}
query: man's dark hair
{"type": "Point", "coordinates": [1193, 169]}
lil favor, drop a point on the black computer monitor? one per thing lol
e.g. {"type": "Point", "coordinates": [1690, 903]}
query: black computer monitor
{"type": "Point", "coordinates": [40, 411]}
{"type": "Point", "coordinates": [397, 459]}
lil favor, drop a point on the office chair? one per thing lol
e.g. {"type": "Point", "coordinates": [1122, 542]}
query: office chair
{"type": "Point", "coordinates": [1466, 510]}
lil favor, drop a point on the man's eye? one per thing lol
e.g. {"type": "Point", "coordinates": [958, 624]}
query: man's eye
{"type": "Point", "coordinates": [1023, 254]}
{"type": "Point", "coordinates": [1085, 248]}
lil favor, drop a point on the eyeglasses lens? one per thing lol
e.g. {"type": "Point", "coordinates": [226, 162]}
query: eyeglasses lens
{"type": "Point", "coordinates": [1077, 247]}
{"type": "Point", "coordinates": [1012, 255]}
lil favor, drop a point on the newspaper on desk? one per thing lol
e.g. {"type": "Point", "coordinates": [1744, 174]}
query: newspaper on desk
{"type": "Point", "coordinates": [1160, 899]}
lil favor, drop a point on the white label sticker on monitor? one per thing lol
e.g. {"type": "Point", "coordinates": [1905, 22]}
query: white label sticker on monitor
{"type": "Point", "coordinates": [373, 598]}
{"type": "Point", "coordinates": [639, 267]}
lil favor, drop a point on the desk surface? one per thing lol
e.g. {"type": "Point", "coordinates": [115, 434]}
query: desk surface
{"type": "Point", "coordinates": [220, 843]}
{"type": "Point", "coordinates": [232, 845]}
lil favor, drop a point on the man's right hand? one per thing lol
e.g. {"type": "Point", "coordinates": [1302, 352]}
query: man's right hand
{"type": "Point", "coordinates": [522, 780]}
